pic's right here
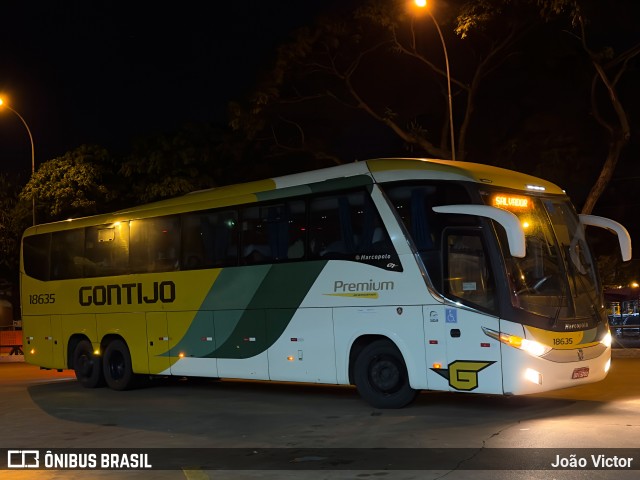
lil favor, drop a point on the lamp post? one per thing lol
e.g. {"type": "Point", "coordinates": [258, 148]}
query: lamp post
{"type": "Point", "coordinates": [33, 157]}
{"type": "Point", "coordinates": [423, 4]}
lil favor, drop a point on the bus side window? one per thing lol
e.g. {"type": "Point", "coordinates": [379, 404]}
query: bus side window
{"type": "Point", "coordinates": [107, 250]}
{"type": "Point", "coordinates": [414, 204]}
{"type": "Point", "coordinates": [209, 239]}
{"type": "Point", "coordinates": [293, 244]}
{"type": "Point", "coordinates": [36, 256]}
{"type": "Point", "coordinates": [273, 233]}
{"type": "Point", "coordinates": [67, 254]}
{"type": "Point", "coordinates": [324, 228]}
{"type": "Point", "coordinates": [155, 244]}
{"type": "Point", "coordinates": [468, 275]}
{"type": "Point", "coordinates": [254, 236]}
{"type": "Point", "coordinates": [332, 230]}
{"type": "Point", "coordinates": [346, 225]}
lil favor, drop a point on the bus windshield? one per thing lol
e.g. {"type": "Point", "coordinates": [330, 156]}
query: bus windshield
{"type": "Point", "coordinates": [557, 277]}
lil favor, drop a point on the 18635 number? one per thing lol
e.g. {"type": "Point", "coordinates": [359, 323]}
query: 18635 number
{"type": "Point", "coordinates": [42, 298]}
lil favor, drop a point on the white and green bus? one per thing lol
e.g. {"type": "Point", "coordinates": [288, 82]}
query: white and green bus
{"type": "Point", "coordinates": [393, 275]}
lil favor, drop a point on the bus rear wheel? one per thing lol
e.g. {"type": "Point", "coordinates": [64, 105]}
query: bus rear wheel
{"type": "Point", "coordinates": [87, 365]}
{"type": "Point", "coordinates": [118, 372]}
{"type": "Point", "coordinates": [381, 376]}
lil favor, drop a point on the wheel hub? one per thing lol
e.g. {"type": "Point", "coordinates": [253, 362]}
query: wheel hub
{"type": "Point", "coordinates": [385, 375]}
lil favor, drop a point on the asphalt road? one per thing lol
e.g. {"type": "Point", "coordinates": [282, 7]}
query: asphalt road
{"type": "Point", "coordinates": [283, 431]}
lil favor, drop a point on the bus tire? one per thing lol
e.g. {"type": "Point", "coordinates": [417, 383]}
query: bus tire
{"type": "Point", "coordinates": [116, 363]}
{"type": "Point", "coordinates": [87, 365]}
{"type": "Point", "coordinates": [381, 376]}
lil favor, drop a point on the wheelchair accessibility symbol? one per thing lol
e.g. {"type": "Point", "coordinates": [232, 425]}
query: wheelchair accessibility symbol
{"type": "Point", "coordinates": [451, 315]}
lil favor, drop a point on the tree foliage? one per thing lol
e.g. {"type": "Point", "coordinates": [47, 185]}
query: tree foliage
{"type": "Point", "coordinates": [610, 56]}
{"type": "Point", "coordinates": [379, 68]}
{"type": "Point", "coordinates": [162, 166]}
{"type": "Point", "coordinates": [77, 183]}
{"type": "Point", "coordinates": [609, 66]}
{"type": "Point", "coordinates": [15, 216]}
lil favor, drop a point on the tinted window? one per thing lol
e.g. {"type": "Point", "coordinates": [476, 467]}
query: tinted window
{"type": "Point", "coordinates": [468, 275]}
{"type": "Point", "coordinates": [209, 239]}
{"type": "Point", "coordinates": [155, 244]}
{"type": "Point", "coordinates": [347, 226]}
{"type": "Point", "coordinates": [67, 254]}
{"type": "Point", "coordinates": [414, 204]}
{"type": "Point", "coordinates": [340, 226]}
{"type": "Point", "coordinates": [107, 250]}
{"type": "Point", "coordinates": [36, 256]}
{"type": "Point", "coordinates": [273, 233]}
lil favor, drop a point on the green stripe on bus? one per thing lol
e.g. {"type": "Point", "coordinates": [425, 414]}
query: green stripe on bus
{"type": "Point", "coordinates": [251, 308]}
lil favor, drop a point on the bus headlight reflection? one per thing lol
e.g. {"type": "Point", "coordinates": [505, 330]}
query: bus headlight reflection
{"type": "Point", "coordinates": [606, 341]}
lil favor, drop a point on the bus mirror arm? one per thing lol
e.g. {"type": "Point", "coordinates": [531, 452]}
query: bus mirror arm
{"type": "Point", "coordinates": [624, 239]}
{"type": "Point", "coordinates": [508, 220]}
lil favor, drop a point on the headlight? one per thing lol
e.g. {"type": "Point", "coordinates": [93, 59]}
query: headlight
{"type": "Point", "coordinates": [536, 349]}
{"type": "Point", "coordinates": [532, 347]}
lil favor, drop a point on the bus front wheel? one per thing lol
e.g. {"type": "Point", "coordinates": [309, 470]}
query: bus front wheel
{"type": "Point", "coordinates": [117, 366]}
{"type": "Point", "coordinates": [87, 365]}
{"type": "Point", "coordinates": [381, 376]}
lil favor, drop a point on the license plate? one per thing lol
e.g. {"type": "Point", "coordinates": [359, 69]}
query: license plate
{"type": "Point", "coordinates": [580, 373]}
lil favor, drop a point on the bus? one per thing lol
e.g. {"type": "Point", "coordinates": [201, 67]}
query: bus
{"type": "Point", "coordinates": [394, 275]}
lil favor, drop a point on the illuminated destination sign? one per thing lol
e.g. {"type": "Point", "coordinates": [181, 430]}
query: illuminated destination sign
{"type": "Point", "coordinates": [511, 201]}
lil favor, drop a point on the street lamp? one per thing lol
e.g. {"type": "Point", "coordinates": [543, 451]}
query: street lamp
{"type": "Point", "coordinates": [33, 157]}
{"type": "Point", "coordinates": [423, 4]}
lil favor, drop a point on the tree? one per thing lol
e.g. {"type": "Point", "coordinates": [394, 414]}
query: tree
{"type": "Point", "coordinates": [377, 68]}
{"type": "Point", "coordinates": [586, 22]}
{"type": "Point", "coordinates": [77, 184]}
{"type": "Point", "coordinates": [162, 166]}
{"type": "Point", "coordinates": [15, 216]}
{"type": "Point", "coordinates": [609, 67]}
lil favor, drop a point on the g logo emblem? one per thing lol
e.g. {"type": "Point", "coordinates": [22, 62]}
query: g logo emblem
{"type": "Point", "coordinates": [463, 374]}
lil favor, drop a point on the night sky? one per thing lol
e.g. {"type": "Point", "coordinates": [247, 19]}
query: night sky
{"type": "Point", "coordinates": [105, 72]}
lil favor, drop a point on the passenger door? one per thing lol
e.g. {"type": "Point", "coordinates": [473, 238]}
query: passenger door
{"type": "Point", "coordinates": [472, 358]}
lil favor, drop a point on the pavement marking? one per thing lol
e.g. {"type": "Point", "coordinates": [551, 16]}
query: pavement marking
{"type": "Point", "coordinates": [191, 474]}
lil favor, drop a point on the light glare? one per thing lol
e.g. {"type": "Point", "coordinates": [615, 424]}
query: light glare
{"type": "Point", "coordinates": [533, 376]}
{"type": "Point", "coordinates": [534, 348]}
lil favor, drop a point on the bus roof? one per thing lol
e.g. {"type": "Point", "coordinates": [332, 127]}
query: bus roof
{"type": "Point", "coordinates": [351, 174]}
